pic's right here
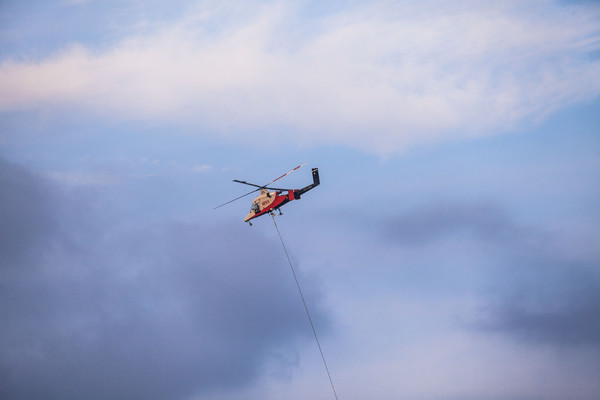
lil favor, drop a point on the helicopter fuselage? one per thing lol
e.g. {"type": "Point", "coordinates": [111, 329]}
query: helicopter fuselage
{"type": "Point", "coordinates": [268, 201]}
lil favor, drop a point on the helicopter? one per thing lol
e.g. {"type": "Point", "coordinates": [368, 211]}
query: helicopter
{"type": "Point", "coordinates": [271, 199]}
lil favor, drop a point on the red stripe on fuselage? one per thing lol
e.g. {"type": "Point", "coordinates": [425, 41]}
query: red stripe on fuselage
{"type": "Point", "coordinates": [277, 202]}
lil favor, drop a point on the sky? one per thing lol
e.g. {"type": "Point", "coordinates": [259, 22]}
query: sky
{"type": "Point", "coordinates": [450, 252]}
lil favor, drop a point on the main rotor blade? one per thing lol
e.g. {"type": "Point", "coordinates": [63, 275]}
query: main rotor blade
{"type": "Point", "coordinates": [266, 184]}
{"type": "Point", "coordinates": [246, 183]}
{"type": "Point", "coordinates": [260, 187]}
{"type": "Point", "coordinates": [287, 173]}
{"type": "Point", "coordinates": [237, 198]}
{"type": "Point", "coordinates": [272, 188]}
{"type": "Point", "coordinates": [257, 186]}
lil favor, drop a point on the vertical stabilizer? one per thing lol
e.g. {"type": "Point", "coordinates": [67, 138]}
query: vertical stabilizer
{"type": "Point", "coordinates": [316, 182]}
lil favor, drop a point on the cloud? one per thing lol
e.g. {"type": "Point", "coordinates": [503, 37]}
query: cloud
{"type": "Point", "coordinates": [110, 309]}
{"type": "Point", "coordinates": [549, 297]}
{"type": "Point", "coordinates": [378, 76]}
{"type": "Point", "coordinates": [568, 319]}
{"type": "Point", "coordinates": [78, 178]}
{"type": "Point", "coordinates": [26, 219]}
{"type": "Point", "coordinates": [202, 168]}
{"type": "Point", "coordinates": [538, 288]}
{"type": "Point", "coordinates": [432, 222]}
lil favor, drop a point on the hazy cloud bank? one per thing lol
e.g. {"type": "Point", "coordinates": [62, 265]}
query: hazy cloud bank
{"type": "Point", "coordinates": [94, 309]}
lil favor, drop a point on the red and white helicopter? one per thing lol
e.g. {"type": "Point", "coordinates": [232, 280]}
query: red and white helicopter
{"type": "Point", "coordinates": [268, 201]}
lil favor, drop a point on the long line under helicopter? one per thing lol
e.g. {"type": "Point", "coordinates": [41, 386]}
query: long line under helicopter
{"type": "Point", "coordinates": [268, 202]}
{"type": "Point", "coordinates": [306, 309]}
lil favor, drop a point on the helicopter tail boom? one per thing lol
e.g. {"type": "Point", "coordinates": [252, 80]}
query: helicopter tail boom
{"type": "Point", "coordinates": [316, 182]}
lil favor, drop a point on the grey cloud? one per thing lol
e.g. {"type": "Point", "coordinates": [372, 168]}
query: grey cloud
{"type": "Point", "coordinates": [115, 311]}
{"type": "Point", "coordinates": [556, 302]}
{"type": "Point", "coordinates": [26, 220]}
{"type": "Point", "coordinates": [428, 223]}
{"type": "Point", "coordinates": [576, 324]}
{"type": "Point", "coordinates": [536, 290]}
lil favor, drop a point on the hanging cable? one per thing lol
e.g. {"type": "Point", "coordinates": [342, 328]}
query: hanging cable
{"type": "Point", "coordinates": [305, 307]}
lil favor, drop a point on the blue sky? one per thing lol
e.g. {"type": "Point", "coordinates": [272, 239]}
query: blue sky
{"type": "Point", "coordinates": [450, 252]}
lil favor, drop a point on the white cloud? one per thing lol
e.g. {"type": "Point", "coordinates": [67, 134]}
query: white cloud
{"type": "Point", "coordinates": [202, 168]}
{"type": "Point", "coordinates": [380, 76]}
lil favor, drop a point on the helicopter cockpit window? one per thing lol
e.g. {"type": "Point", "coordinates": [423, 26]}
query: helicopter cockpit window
{"type": "Point", "coordinates": [256, 208]}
